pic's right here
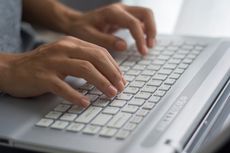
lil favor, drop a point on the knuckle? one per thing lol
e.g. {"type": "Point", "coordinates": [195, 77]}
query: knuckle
{"type": "Point", "coordinates": [115, 7]}
{"type": "Point", "coordinates": [68, 38]}
{"type": "Point", "coordinates": [104, 84]}
{"type": "Point", "coordinates": [134, 22]}
{"type": "Point", "coordinates": [86, 67]}
{"type": "Point", "coordinates": [56, 88]}
{"type": "Point", "coordinates": [148, 11]}
{"type": "Point", "coordinates": [116, 77]}
{"type": "Point", "coordinates": [103, 51]}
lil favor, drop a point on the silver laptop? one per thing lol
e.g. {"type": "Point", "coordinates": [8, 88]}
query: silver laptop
{"type": "Point", "coordinates": [167, 100]}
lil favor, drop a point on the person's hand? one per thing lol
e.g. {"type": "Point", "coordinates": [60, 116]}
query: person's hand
{"type": "Point", "coordinates": [98, 26]}
{"type": "Point", "coordinates": [44, 70]}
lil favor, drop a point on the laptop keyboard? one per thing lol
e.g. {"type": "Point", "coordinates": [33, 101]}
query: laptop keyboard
{"type": "Point", "coordinates": [149, 79]}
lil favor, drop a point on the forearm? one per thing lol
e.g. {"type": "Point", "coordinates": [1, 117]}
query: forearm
{"type": "Point", "coordinates": [48, 13]}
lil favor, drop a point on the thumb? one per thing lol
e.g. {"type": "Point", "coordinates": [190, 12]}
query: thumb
{"type": "Point", "coordinates": [108, 41]}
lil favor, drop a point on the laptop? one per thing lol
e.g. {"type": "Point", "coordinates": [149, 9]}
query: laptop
{"type": "Point", "coordinates": [169, 98]}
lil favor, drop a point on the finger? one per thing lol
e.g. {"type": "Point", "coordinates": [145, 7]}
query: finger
{"type": "Point", "coordinates": [100, 59]}
{"type": "Point", "coordinates": [72, 53]}
{"type": "Point", "coordinates": [108, 41]}
{"type": "Point", "coordinates": [86, 70]}
{"type": "Point", "coordinates": [125, 19]}
{"type": "Point", "coordinates": [145, 15]}
{"type": "Point", "coordinates": [61, 88]}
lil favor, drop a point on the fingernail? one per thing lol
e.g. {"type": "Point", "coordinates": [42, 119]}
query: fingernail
{"type": "Point", "coordinates": [124, 81]}
{"type": "Point", "coordinates": [120, 45]}
{"type": "Point", "coordinates": [150, 42]}
{"type": "Point", "coordinates": [145, 50]}
{"type": "Point", "coordinates": [120, 86]}
{"type": "Point", "coordinates": [85, 102]}
{"type": "Point", "coordinates": [112, 91]}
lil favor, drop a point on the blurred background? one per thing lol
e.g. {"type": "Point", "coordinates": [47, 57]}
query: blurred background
{"type": "Point", "coordinates": [184, 17]}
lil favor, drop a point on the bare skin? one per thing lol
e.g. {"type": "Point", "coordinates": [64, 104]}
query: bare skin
{"type": "Point", "coordinates": [44, 69]}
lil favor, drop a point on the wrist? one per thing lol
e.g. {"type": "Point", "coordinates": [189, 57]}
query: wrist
{"type": "Point", "coordinates": [6, 61]}
{"type": "Point", "coordinates": [66, 17]}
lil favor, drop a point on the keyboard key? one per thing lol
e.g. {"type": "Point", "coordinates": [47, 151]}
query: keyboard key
{"type": "Point", "coordinates": [174, 76]}
{"type": "Point", "coordinates": [154, 67]}
{"type": "Point", "coordinates": [174, 61]}
{"type": "Point", "coordinates": [129, 77]}
{"type": "Point", "coordinates": [182, 51]}
{"type": "Point", "coordinates": [130, 126]}
{"type": "Point", "coordinates": [143, 78]}
{"type": "Point", "coordinates": [87, 86]}
{"type": "Point", "coordinates": [138, 84]}
{"type": "Point", "coordinates": [111, 110]}
{"type": "Point", "coordinates": [170, 66]}
{"type": "Point", "coordinates": [76, 109]}
{"type": "Point", "coordinates": [88, 114]}
{"type": "Point", "coordinates": [124, 68]}
{"type": "Point", "coordinates": [148, 106]}
{"type": "Point", "coordinates": [179, 71]}
{"type": "Point", "coordinates": [92, 97]}
{"type": "Point", "coordinates": [95, 91]}
{"type": "Point", "coordinates": [159, 77]}
{"type": "Point", "coordinates": [119, 120]}
{"type": "Point", "coordinates": [170, 81]}
{"type": "Point", "coordinates": [131, 90]}
{"type": "Point", "coordinates": [124, 96]}
{"type": "Point", "coordinates": [159, 93]}
{"type": "Point", "coordinates": [165, 71]}
{"type": "Point", "coordinates": [62, 108]}
{"type": "Point", "coordinates": [156, 83]}
{"type": "Point", "coordinates": [75, 127]}
{"type": "Point", "coordinates": [187, 61]}
{"type": "Point", "coordinates": [108, 132]}
{"type": "Point", "coordinates": [122, 134]}
{"type": "Point", "coordinates": [118, 103]}
{"type": "Point", "coordinates": [149, 89]}
{"type": "Point", "coordinates": [136, 102]}
{"type": "Point", "coordinates": [154, 99]}
{"type": "Point", "coordinates": [130, 109]}
{"type": "Point", "coordinates": [139, 67]}
{"type": "Point", "coordinates": [129, 63]}
{"type": "Point", "coordinates": [91, 129]}
{"type": "Point", "coordinates": [44, 122]}
{"type": "Point", "coordinates": [145, 62]}
{"type": "Point", "coordinates": [136, 119]}
{"type": "Point", "coordinates": [163, 57]}
{"type": "Point", "coordinates": [82, 91]}
{"type": "Point", "coordinates": [148, 72]}
{"type": "Point", "coordinates": [183, 66]}
{"type": "Point", "coordinates": [133, 72]}
{"type": "Point", "coordinates": [101, 119]}
{"type": "Point", "coordinates": [68, 117]}
{"type": "Point", "coordinates": [164, 87]}
{"type": "Point", "coordinates": [101, 102]}
{"type": "Point", "coordinates": [142, 112]}
{"type": "Point", "coordinates": [53, 115]}
{"type": "Point", "coordinates": [59, 125]}
{"type": "Point", "coordinates": [158, 62]}
{"type": "Point", "coordinates": [191, 56]}
{"type": "Point", "coordinates": [179, 56]}
{"type": "Point", "coordinates": [143, 95]}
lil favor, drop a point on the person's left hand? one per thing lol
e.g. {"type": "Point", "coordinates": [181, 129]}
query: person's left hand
{"type": "Point", "coordinates": [98, 26]}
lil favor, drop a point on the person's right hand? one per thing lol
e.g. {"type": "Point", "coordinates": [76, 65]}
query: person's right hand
{"type": "Point", "coordinates": [44, 70]}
